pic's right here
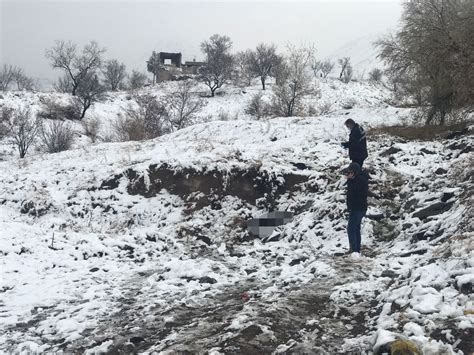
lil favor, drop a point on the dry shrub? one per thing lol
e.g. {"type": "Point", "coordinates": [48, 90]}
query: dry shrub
{"type": "Point", "coordinates": [149, 119]}
{"type": "Point", "coordinates": [325, 108]}
{"type": "Point", "coordinates": [257, 107]}
{"type": "Point", "coordinates": [57, 136]}
{"type": "Point", "coordinates": [91, 128]}
{"type": "Point", "coordinates": [55, 110]}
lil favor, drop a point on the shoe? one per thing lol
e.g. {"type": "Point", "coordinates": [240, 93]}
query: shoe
{"type": "Point", "coordinates": [355, 255]}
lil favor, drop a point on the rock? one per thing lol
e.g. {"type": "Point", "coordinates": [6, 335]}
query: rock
{"type": "Point", "coordinates": [440, 171]}
{"type": "Point", "coordinates": [390, 151]}
{"type": "Point", "coordinates": [410, 204]}
{"type": "Point", "coordinates": [375, 217]}
{"type": "Point", "coordinates": [273, 139]}
{"type": "Point", "coordinates": [457, 145]}
{"type": "Point", "coordinates": [300, 166]}
{"type": "Point", "coordinates": [468, 149]}
{"type": "Point", "coordinates": [426, 151]}
{"type": "Point", "coordinates": [136, 340]}
{"type": "Point", "coordinates": [434, 209]}
{"type": "Point", "coordinates": [406, 226]}
{"type": "Point", "coordinates": [389, 273]}
{"type": "Point", "coordinates": [447, 196]}
{"type": "Point", "coordinates": [94, 269]}
{"type": "Point", "coordinates": [151, 238]}
{"type": "Point", "coordinates": [204, 239]}
{"type": "Point", "coordinates": [298, 261]}
{"type": "Point", "coordinates": [251, 332]}
{"type": "Point", "coordinates": [207, 280]}
{"type": "Point", "coordinates": [456, 134]}
{"type": "Point", "coordinates": [414, 252]}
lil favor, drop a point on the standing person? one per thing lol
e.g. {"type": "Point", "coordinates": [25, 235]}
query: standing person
{"type": "Point", "coordinates": [357, 190]}
{"type": "Point", "coordinates": [357, 143]}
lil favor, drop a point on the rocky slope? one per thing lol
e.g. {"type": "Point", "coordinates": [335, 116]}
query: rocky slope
{"type": "Point", "coordinates": [144, 247]}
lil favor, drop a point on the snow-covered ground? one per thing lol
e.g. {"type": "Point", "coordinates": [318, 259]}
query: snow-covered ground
{"type": "Point", "coordinates": [112, 246]}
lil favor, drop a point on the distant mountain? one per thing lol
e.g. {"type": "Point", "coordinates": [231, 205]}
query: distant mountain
{"type": "Point", "coordinates": [362, 52]}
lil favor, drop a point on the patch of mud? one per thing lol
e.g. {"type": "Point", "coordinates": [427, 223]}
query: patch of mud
{"type": "Point", "coordinates": [296, 317]}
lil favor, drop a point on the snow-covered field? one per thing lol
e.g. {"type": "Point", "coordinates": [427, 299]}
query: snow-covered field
{"type": "Point", "coordinates": [137, 246]}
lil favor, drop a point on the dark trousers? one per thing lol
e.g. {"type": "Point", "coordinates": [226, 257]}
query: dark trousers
{"type": "Point", "coordinates": [353, 229]}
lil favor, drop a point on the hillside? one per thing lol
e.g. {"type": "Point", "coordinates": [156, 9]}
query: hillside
{"type": "Point", "coordinates": [143, 246]}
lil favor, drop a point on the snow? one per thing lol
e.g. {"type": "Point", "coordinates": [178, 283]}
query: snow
{"type": "Point", "coordinates": [85, 268]}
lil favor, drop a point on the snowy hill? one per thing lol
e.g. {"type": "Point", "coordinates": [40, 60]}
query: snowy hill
{"type": "Point", "coordinates": [363, 55]}
{"type": "Point", "coordinates": [143, 246]}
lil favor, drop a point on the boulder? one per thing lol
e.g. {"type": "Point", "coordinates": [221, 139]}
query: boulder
{"type": "Point", "coordinates": [447, 196]}
{"type": "Point", "coordinates": [390, 151]}
{"type": "Point", "coordinates": [426, 151]}
{"type": "Point", "coordinates": [440, 171]}
{"type": "Point", "coordinates": [432, 210]}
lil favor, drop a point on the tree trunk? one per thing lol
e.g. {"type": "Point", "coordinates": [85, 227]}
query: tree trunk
{"type": "Point", "coordinates": [84, 109]}
{"type": "Point", "coordinates": [263, 82]}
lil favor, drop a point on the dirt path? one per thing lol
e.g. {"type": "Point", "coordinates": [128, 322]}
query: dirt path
{"type": "Point", "coordinates": [297, 317]}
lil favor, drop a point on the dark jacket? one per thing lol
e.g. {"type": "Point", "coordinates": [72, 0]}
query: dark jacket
{"type": "Point", "coordinates": [357, 190]}
{"type": "Point", "coordinates": [357, 144]}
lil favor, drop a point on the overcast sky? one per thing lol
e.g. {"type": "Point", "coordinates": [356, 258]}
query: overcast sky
{"type": "Point", "coordinates": [131, 30]}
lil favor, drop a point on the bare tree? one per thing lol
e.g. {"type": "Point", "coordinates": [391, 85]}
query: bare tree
{"type": "Point", "coordinates": [347, 74]}
{"type": "Point", "coordinates": [219, 62]}
{"type": "Point", "coordinates": [77, 66]}
{"type": "Point", "coordinates": [23, 129]}
{"type": "Point", "coordinates": [23, 82]}
{"type": "Point", "coordinates": [244, 73]}
{"type": "Point", "coordinates": [183, 105]}
{"type": "Point", "coordinates": [294, 81]}
{"type": "Point", "coordinates": [343, 62]}
{"type": "Point", "coordinates": [114, 74]}
{"type": "Point", "coordinates": [433, 53]}
{"type": "Point", "coordinates": [6, 76]}
{"type": "Point", "coordinates": [153, 65]}
{"type": "Point", "coordinates": [263, 61]}
{"type": "Point", "coordinates": [326, 67]}
{"type": "Point", "coordinates": [136, 80]}
{"type": "Point", "coordinates": [56, 136]}
{"type": "Point", "coordinates": [89, 91]}
{"type": "Point", "coordinates": [346, 69]}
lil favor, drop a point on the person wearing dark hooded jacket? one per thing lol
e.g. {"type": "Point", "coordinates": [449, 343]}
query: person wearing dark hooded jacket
{"type": "Point", "coordinates": [357, 143]}
{"type": "Point", "coordinates": [356, 198]}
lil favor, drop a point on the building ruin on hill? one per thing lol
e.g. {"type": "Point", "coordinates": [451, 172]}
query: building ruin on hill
{"type": "Point", "coordinates": [169, 66]}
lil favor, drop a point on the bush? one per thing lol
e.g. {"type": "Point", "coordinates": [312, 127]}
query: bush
{"type": "Point", "coordinates": [148, 120]}
{"type": "Point", "coordinates": [55, 110]}
{"type": "Point", "coordinates": [23, 128]}
{"type": "Point", "coordinates": [91, 128]}
{"type": "Point", "coordinates": [129, 128]}
{"type": "Point", "coordinates": [56, 136]}
{"type": "Point", "coordinates": [325, 108]}
{"type": "Point", "coordinates": [375, 75]}
{"type": "Point", "coordinates": [5, 117]}
{"type": "Point", "coordinates": [257, 107]}
{"type": "Point", "coordinates": [182, 105]}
